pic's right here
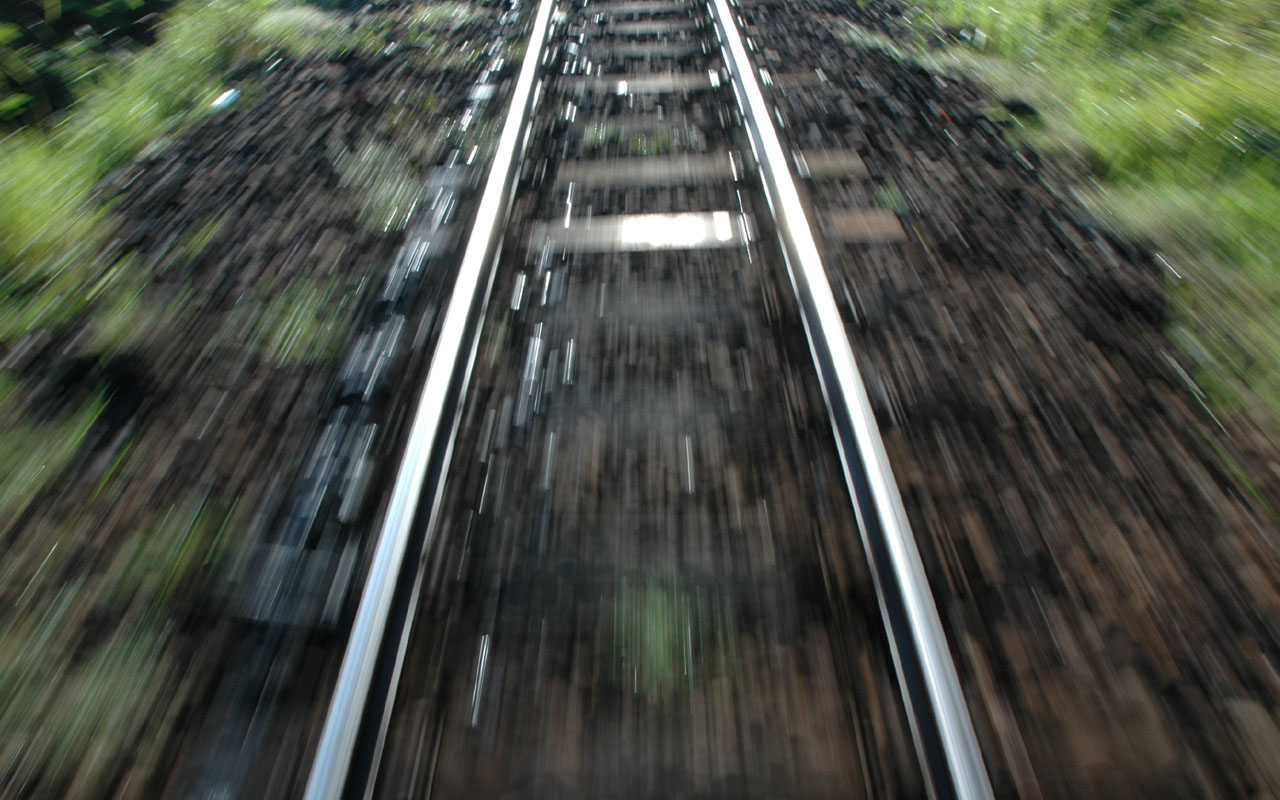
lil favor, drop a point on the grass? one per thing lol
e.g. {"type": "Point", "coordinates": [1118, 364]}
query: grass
{"type": "Point", "coordinates": [88, 651]}
{"type": "Point", "coordinates": [70, 725]}
{"type": "Point", "coordinates": [67, 724]}
{"type": "Point", "coordinates": [386, 179]}
{"type": "Point", "coordinates": [443, 16]}
{"type": "Point", "coordinates": [92, 643]}
{"type": "Point", "coordinates": [165, 564]}
{"type": "Point", "coordinates": [52, 231]}
{"type": "Point", "coordinates": [36, 451]}
{"type": "Point", "coordinates": [303, 324]}
{"type": "Point", "coordinates": [663, 637]}
{"type": "Point", "coordinates": [682, 139]}
{"type": "Point", "coordinates": [1173, 109]}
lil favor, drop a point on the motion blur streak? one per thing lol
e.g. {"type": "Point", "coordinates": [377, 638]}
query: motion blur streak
{"type": "Point", "coordinates": [229, 234]}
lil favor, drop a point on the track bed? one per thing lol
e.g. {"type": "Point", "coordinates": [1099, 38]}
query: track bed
{"type": "Point", "coordinates": [647, 579]}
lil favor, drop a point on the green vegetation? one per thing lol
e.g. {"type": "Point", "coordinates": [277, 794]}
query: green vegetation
{"type": "Point", "coordinates": [35, 451]}
{"type": "Point", "coordinates": [199, 240]}
{"type": "Point", "coordinates": [890, 196]}
{"type": "Point", "coordinates": [45, 46]}
{"type": "Point", "coordinates": [76, 721]}
{"type": "Point", "coordinates": [91, 661]}
{"type": "Point", "coordinates": [51, 234]}
{"type": "Point", "coordinates": [385, 178]}
{"type": "Point", "coordinates": [52, 231]}
{"type": "Point", "coordinates": [300, 325]}
{"type": "Point", "coordinates": [70, 723]}
{"type": "Point", "coordinates": [166, 564]}
{"type": "Point", "coordinates": [664, 637]}
{"type": "Point", "coordinates": [605, 136]}
{"type": "Point", "coordinates": [1173, 109]}
{"type": "Point", "coordinates": [102, 576]}
{"type": "Point", "coordinates": [443, 16]}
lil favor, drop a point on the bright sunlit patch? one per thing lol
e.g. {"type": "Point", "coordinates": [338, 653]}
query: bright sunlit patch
{"type": "Point", "coordinates": [665, 230]}
{"type": "Point", "coordinates": [646, 232]}
{"type": "Point", "coordinates": [723, 225]}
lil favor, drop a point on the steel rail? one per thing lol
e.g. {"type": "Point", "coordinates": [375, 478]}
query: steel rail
{"type": "Point", "coordinates": [420, 478]}
{"type": "Point", "coordinates": [941, 726]}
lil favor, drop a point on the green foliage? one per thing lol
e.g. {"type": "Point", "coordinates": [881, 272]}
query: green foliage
{"type": "Point", "coordinates": [425, 24]}
{"type": "Point", "coordinates": [385, 179]}
{"type": "Point", "coordinates": [48, 46]}
{"type": "Point", "coordinates": [75, 720]}
{"type": "Point", "coordinates": [50, 228]}
{"type": "Point", "coordinates": [67, 15]}
{"type": "Point", "coordinates": [681, 139]}
{"type": "Point", "coordinates": [14, 105]}
{"type": "Point", "coordinates": [171, 84]}
{"type": "Point", "coordinates": [35, 451]}
{"type": "Point", "coordinates": [123, 315]}
{"type": "Point", "coordinates": [80, 718]}
{"type": "Point", "coordinates": [9, 34]}
{"type": "Point", "coordinates": [300, 325]}
{"type": "Point", "coordinates": [663, 636]}
{"type": "Point", "coordinates": [443, 16]}
{"type": "Point", "coordinates": [301, 30]}
{"type": "Point", "coordinates": [200, 239]}
{"type": "Point", "coordinates": [890, 196]}
{"type": "Point", "coordinates": [1174, 107]}
{"type": "Point", "coordinates": [45, 228]}
{"type": "Point", "coordinates": [163, 567]}
{"type": "Point", "coordinates": [88, 665]}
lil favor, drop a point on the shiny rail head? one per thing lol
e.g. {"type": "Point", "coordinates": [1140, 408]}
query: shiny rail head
{"type": "Point", "coordinates": [944, 733]}
{"type": "Point", "coordinates": [430, 438]}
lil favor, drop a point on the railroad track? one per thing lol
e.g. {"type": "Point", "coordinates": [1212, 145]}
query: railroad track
{"type": "Point", "coordinates": [644, 540]}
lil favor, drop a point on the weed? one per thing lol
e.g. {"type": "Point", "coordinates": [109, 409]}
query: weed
{"type": "Point", "coordinates": [662, 636]}
{"type": "Point", "coordinates": [890, 196]}
{"type": "Point", "coordinates": [303, 324]}
{"type": "Point", "coordinates": [70, 724]}
{"type": "Point", "coordinates": [199, 239]}
{"type": "Point", "coordinates": [50, 235]}
{"type": "Point", "coordinates": [444, 16]}
{"type": "Point", "coordinates": [386, 181]}
{"type": "Point", "coordinates": [87, 662]}
{"type": "Point", "coordinates": [1174, 109]}
{"type": "Point", "coordinates": [35, 452]}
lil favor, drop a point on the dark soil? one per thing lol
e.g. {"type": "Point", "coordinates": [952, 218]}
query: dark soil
{"type": "Point", "coordinates": [1107, 583]}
